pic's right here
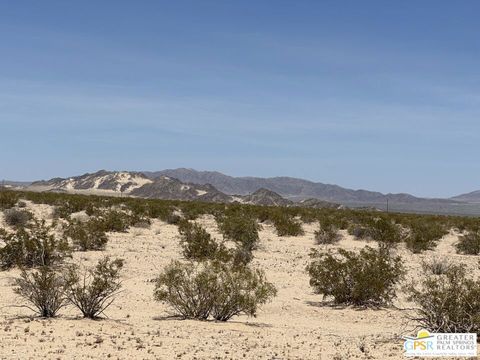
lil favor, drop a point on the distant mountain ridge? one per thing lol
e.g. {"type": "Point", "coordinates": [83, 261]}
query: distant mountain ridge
{"type": "Point", "coordinates": [159, 187]}
{"type": "Point", "coordinates": [471, 197]}
{"type": "Point", "coordinates": [213, 186]}
{"type": "Point", "coordinates": [288, 187]}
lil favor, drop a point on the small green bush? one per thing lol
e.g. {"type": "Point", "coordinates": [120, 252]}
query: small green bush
{"type": "Point", "coordinates": [359, 232]}
{"type": "Point", "coordinates": [94, 290]}
{"type": "Point", "coordinates": [286, 225]}
{"type": "Point", "coordinates": [21, 204]}
{"type": "Point", "coordinates": [43, 289]}
{"type": "Point", "coordinates": [385, 231]}
{"type": "Point", "coordinates": [196, 242]}
{"type": "Point", "coordinates": [449, 303]}
{"type": "Point", "coordinates": [240, 228]}
{"type": "Point", "coordinates": [8, 199]}
{"type": "Point", "coordinates": [114, 221]}
{"type": "Point", "coordinates": [212, 289]}
{"type": "Point", "coordinates": [436, 266]}
{"type": "Point", "coordinates": [367, 278]}
{"type": "Point", "coordinates": [32, 247]}
{"type": "Point", "coordinates": [424, 235]}
{"type": "Point", "coordinates": [469, 244]}
{"type": "Point", "coordinates": [327, 234]}
{"type": "Point", "coordinates": [173, 219]}
{"type": "Point", "coordinates": [87, 235]}
{"type": "Point", "coordinates": [17, 218]}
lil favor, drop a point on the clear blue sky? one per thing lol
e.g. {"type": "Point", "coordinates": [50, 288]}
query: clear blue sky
{"type": "Point", "coordinates": [381, 95]}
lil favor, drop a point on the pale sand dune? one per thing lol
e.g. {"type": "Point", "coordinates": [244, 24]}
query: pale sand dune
{"type": "Point", "coordinates": [295, 325]}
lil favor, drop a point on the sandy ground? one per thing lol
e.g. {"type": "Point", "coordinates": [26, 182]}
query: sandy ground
{"type": "Point", "coordinates": [295, 325]}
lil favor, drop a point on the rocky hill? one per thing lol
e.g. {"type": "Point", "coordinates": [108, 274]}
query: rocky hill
{"type": "Point", "coordinates": [472, 197]}
{"type": "Point", "coordinates": [295, 189]}
{"type": "Point", "coordinates": [159, 187]}
{"type": "Point", "coordinates": [266, 197]}
{"type": "Point", "coordinates": [120, 182]}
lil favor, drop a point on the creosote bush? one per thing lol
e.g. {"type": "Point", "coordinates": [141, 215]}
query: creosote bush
{"type": "Point", "coordinates": [424, 235]}
{"type": "Point", "coordinates": [199, 245]}
{"type": "Point", "coordinates": [286, 225]}
{"type": "Point", "coordinates": [8, 199]}
{"type": "Point", "coordinates": [196, 242]}
{"type": "Point", "coordinates": [212, 289]}
{"type": "Point", "coordinates": [366, 278]}
{"type": "Point", "coordinates": [93, 291]}
{"type": "Point", "coordinates": [327, 234]}
{"type": "Point", "coordinates": [469, 244]}
{"type": "Point", "coordinates": [448, 303]}
{"type": "Point", "coordinates": [43, 289]}
{"type": "Point", "coordinates": [437, 266]}
{"type": "Point", "coordinates": [33, 246]}
{"type": "Point", "coordinates": [17, 218]}
{"type": "Point", "coordinates": [86, 235]}
{"type": "Point", "coordinates": [240, 228]}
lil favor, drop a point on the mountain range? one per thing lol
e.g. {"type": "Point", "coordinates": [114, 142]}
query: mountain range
{"type": "Point", "coordinates": [120, 183]}
{"type": "Point", "coordinates": [190, 184]}
{"type": "Point", "coordinates": [296, 189]}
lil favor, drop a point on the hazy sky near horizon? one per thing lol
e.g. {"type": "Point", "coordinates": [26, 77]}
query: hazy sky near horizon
{"type": "Point", "coordinates": [377, 95]}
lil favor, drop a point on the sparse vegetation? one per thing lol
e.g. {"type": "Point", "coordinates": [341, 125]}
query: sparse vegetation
{"type": "Point", "coordinates": [87, 235]}
{"type": "Point", "coordinates": [198, 291]}
{"type": "Point", "coordinates": [240, 228]}
{"type": "Point", "coordinates": [469, 244]}
{"type": "Point", "coordinates": [327, 234]}
{"type": "Point", "coordinates": [33, 246]}
{"type": "Point", "coordinates": [196, 242]}
{"type": "Point", "coordinates": [436, 266]}
{"type": "Point", "coordinates": [92, 291]}
{"type": "Point", "coordinates": [286, 225]}
{"type": "Point", "coordinates": [43, 289]}
{"type": "Point", "coordinates": [448, 303]}
{"type": "Point", "coordinates": [17, 218]}
{"type": "Point", "coordinates": [424, 235]}
{"type": "Point", "coordinates": [8, 199]}
{"type": "Point", "coordinates": [367, 278]}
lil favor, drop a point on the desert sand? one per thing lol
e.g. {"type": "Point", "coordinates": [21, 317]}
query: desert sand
{"type": "Point", "coordinates": [297, 324]}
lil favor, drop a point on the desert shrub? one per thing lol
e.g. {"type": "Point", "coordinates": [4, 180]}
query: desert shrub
{"type": "Point", "coordinates": [110, 220]}
{"type": "Point", "coordinates": [436, 266]}
{"type": "Point", "coordinates": [327, 234]}
{"type": "Point", "coordinates": [367, 278]}
{"type": "Point", "coordinates": [212, 289]}
{"type": "Point", "coordinates": [142, 224]}
{"type": "Point", "coordinates": [240, 291]}
{"type": "Point", "coordinates": [8, 199]}
{"type": "Point", "coordinates": [114, 221]}
{"type": "Point", "coordinates": [87, 235]}
{"type": "Point", "coordinates": [469, 244]}
{"type": "Point", "coordinates": [43, 289]}
{"type": "Point", "coordinates": [424, 235]}
{"type": "Point", "coordinates": [196, 242]}
{"type": "Point", "coordinates": [17, 218]}
{"type": "Point", "coordinates": [173, 219]}
{"type": "Point", "coordinates": [92, 291]}
{"type": "Point", "coordinates": [21, 204]}
{"type": "Point", "coordinates": [240, 228]}
{"type": "Point", "coordinates": [33, 246]}
{"type": "Point", "coordinates": [287, 225]}
{"type": "Point", "coordinates": [186, 290]}
{"type": "Point", "coordinates": [448, 303]}
{"type": "Point", "coordinates": [72, 204]}
{"type": "Point", "coordinates": [381, 229]}
{"type": "Point", "coordinates": [239, 256]}
{"type": "Point", "coordinates": [385, 231]}
{"type": "Point", "coordinates": [358, 231]}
